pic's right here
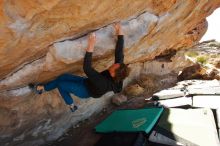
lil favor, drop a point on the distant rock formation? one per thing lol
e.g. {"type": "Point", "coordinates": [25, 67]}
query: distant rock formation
{"type": "Point", "coordinates": [206, 58]}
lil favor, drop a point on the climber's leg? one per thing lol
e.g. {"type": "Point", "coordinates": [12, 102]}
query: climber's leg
{"type": "Point", "coordinates": [64, 77]}
{"type": "Point", "coordinates": [78, 88]}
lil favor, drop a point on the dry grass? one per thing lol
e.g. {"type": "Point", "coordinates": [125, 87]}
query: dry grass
{"type": "Point", "coordinates": [202, 59]}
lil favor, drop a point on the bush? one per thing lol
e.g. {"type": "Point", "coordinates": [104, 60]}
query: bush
{"type": "Point", "coordinates": [202, 59]}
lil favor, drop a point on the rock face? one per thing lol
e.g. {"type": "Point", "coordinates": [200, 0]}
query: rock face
{"type": "Point", "coordinates": [40, 40]}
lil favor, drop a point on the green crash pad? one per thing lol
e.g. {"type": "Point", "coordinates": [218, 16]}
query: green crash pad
{"type": "Point", "coordinates": [138, 120]}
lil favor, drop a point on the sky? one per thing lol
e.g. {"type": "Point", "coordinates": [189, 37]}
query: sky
{"type": "Point", "coordinates": [213, 31]}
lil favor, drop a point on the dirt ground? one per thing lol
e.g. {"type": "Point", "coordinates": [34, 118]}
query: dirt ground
{"type": "Point", "coordinates": [83, 133]}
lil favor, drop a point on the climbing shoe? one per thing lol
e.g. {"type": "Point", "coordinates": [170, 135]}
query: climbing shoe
{"type": "Point", "coordinates": [73, 108]}
{"type": "Point", "coordinates": [33, 87]}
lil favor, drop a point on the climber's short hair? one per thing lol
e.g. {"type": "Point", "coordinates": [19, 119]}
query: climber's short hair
{"type": "Point", "coordinates": [122, 72]}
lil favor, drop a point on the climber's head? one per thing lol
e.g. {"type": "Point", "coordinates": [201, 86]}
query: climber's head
{"type": "Point", "coordinates": [119, 71]}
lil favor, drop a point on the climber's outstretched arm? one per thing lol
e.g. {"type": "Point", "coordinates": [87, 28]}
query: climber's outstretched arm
{"type": "Point", "coordinates": [87, 65]}
{"type": "Point", "coordinates": [119, 54]}
{"type": "Point", "coordinates": [94, 76]}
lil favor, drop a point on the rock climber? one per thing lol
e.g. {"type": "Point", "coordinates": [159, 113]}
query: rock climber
{"type": "Point", "coordinates": [95, 84]}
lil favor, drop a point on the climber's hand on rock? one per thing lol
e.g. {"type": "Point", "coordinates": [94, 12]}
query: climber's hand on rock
{"type": "Point", "coordinates": [118, 30]}
{"type": "Point", "coordinates": [91, 42]}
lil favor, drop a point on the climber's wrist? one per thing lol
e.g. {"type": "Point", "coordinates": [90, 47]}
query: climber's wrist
{"type": "Point", "coordinates": [89, 49]}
